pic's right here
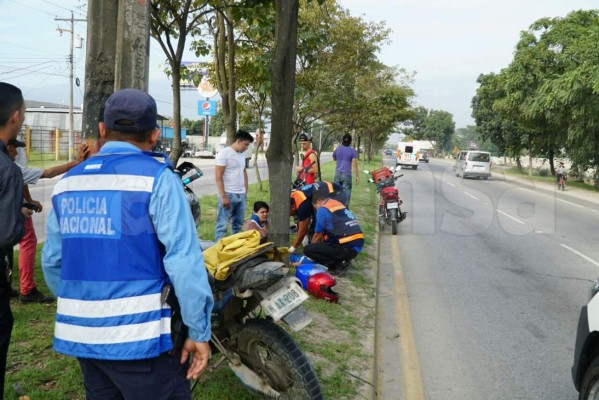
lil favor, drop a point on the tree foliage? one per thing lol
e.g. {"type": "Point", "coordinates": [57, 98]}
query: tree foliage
{"type": "Point", "coordinates": [547, 98]}
{"type": "Point", "coordinates": [171, 23]}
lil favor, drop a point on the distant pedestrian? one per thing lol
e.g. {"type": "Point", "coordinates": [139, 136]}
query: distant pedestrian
{"type": "Point", "coordinates": [561, 176]}
{"type": "Point", "coordinates": [309, 169]}
{"type": "Point", "coordinates": [232, 185]}
{"type": "Point", "coordinates": [12, 116]}
{"type": "Point", "coordinates": [346, 157]}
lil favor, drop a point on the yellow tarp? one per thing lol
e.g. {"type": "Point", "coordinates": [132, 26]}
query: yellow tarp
{"type": "Point", "coordinates": [230, 249]}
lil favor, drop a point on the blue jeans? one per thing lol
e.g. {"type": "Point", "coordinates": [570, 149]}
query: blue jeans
{"type": "Point", "coordinates": [344, 179]}
{"type": "Point", "coordinates": [235, 213]}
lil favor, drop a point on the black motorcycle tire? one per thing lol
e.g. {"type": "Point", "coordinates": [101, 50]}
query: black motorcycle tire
{"type": "Point", "coordinates": [382, 218]}
{"type": "Point", "coordinates": [394, 219]}
{"type": "Point", "coordinates": [271, 352]}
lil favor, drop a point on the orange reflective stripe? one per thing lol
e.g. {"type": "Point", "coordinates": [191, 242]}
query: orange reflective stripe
{"type": "Point", "coordinates": [336, 208]}
{"type": "Point", "coordinates": [330, 186]}
{"type": "Point", "coordinates": [298, 197]}
{"type": "Point", "coordinates": [350, 238]}
{"type": "Point", "coordinates": [333, 205]}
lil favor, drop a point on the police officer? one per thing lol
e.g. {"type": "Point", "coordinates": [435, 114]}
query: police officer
{"type": "Point", "coordinates": [301, 207]}
{"type": "Point", "coordinates": [119, 234]}
{"type": "Point", "coordinates": [338, 237]}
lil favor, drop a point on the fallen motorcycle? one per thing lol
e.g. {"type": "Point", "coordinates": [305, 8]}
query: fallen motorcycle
{"type": "Point", "coordinates": [389, 202]}
{"type": "Point", "coordinates": [250, 304]}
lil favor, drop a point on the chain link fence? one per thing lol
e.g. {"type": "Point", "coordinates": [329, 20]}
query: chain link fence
{"type": "Point", "coordinates": [46, 143]}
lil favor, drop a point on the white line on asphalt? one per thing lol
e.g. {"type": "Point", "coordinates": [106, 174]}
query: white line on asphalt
{"type": "Point", "coordinates": [450, 184]}
{"type": "Point", "coordinates": [569, 202]}
{"type": "Point", "coordinates": [509, 216]}
{"type": "Point", "coordinates": [468, 194]}
{"type": "Point", "coordinates": [578, 253]}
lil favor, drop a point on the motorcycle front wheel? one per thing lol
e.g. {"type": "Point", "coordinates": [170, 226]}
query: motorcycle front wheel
{"type": "Point", "coordinates": [270, 352]}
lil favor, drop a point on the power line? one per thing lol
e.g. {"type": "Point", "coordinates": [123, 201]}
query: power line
{"type": "Point", "coordinates": [64, 8]}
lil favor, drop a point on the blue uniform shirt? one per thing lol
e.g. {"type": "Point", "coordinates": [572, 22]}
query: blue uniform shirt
{"type": "Point", "coordinates": [174, 227]}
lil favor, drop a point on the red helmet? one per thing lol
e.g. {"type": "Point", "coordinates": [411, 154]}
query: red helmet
{"type": "Point", "coordinates": [321, 285]}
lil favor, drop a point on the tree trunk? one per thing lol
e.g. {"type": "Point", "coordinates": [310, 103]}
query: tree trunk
{"type": "Point", "coordinates": [259, 138]}
{"type": "Point", "coordinates": [99, 62]}
{"type": "Point", "coordinates": [176, 144]}
{"type": "Point", "coordinates": [224, 49]}
{"type": "Point", "coordinates": [279, 155]}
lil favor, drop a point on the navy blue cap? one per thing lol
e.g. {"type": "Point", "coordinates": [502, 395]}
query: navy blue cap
{"type": "Point", "coordinates": [130, 111]}
{"type": "Point", "coordinates": [320, 190]}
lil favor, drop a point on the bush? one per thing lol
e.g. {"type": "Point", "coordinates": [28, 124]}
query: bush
{"type": "Point", "coordinates": [542, 171]}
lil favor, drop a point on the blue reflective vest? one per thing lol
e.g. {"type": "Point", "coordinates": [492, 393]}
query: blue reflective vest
{"type": "Point", "coordinates": [112, 275]}
{"type": "Point", "coordinates": [346, 230]}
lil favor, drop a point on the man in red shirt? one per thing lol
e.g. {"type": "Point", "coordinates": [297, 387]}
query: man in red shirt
{"type": "Point", "coordinates": [309, 158]}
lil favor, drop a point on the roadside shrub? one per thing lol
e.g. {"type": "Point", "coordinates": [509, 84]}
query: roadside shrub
{"type": "Point", "coordinates": [542, 171]}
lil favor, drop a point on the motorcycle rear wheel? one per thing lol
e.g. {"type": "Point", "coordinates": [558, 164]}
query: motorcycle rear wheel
{"type": "Point", "coordinates": [272, 353]}
{"type": "Point", "coordinates": [382, 218]}
{"type": "Point", "coordinates": [394, 219]}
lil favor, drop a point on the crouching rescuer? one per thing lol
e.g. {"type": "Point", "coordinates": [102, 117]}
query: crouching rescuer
{"type": "Point", "coordinates": [338, 237]}
{"type": "Point", "coordinates": [119, 238]}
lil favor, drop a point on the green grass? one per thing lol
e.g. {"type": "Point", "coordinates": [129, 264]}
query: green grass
{"type": "Point", "coordinates": [338, 342]}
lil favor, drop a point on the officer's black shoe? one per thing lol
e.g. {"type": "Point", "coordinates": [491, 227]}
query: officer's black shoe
{"type": "Point", "coordinates": [35, 296]}
{"type": "Point", "coordinates": [14, 293]}
{"type": "Point", "coordinates": [340, 268]}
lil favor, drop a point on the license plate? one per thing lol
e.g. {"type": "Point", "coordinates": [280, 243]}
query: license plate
{"type": "Point", "coordinates": [392, 205]}
{"type": "Point", "coordinates": [281, 302]}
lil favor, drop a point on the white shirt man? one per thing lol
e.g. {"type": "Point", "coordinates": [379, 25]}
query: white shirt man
{"type": "Point", "coordinates": [231, 184]}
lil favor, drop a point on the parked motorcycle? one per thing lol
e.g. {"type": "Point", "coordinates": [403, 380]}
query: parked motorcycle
{"type": "Point", "coordinates": [389, 202]}
{"type": "Point", "coordinates": [189, 173]}
{"type": "Point", "coordinates": [249, 306]}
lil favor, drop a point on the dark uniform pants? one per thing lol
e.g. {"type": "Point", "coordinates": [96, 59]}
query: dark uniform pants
{"type": "Point", "coordinates": [6, 319]}
{"type": "Point", "coordinates": [159, 378]}
{"type": "Point", "coordinates": [329, 254]}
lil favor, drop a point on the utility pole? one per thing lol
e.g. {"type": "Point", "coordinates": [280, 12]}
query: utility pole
{"type": "Point", "coordinates": [71, 119]}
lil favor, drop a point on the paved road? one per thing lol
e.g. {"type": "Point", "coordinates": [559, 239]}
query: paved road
{"type": "Point", "coordinates": [482, 288]}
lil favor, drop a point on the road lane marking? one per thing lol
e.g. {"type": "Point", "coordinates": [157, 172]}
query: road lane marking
{"type": "Point", "coordinates": [468, 194]}
{"type": "Point", "coordinates": [410, 363]}
{"type": "Point", "coordinates": [578, 253]}
{"type": "Point", "coordinates": [509, 216]}
{"type": "Point", "coordinates": [450, 184]}
{"type": "Point", "coordinates": [569, 202]}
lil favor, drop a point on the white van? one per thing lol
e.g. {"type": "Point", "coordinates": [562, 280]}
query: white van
{"type": "Point", "coordinates": [408, 154]}
{"type": "Point", "coordinates": [473, 164]}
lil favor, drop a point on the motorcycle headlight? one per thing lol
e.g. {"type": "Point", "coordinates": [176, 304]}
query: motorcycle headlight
{"type": "Point", "coordinates": [594, 289]}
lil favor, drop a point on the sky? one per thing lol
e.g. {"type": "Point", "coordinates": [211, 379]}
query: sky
{"type": "Point", "coordinates": [446, 43]}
